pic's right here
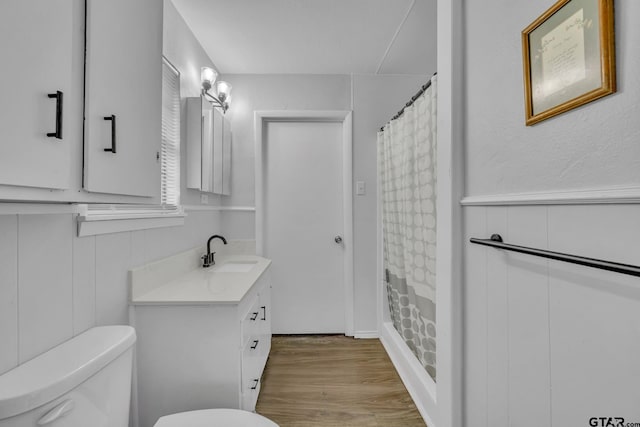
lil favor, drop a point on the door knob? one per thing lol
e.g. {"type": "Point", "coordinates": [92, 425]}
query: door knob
{"type": "Point", "coordinates": [338, 239]}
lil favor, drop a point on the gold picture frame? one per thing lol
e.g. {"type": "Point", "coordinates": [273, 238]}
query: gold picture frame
{"type": "Point", "coordinates": [568, 56]}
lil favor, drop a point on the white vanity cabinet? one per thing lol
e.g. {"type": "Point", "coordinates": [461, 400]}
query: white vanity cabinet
{"type": "Point", "coordinates": [37, 54]}
{"type": "Point", "coordinates": [123, 97]}
{"type": "Point", "coordinates": [202, 355]}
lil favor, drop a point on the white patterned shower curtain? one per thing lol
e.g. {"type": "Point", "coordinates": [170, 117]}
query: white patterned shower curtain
{"type": "Point", "coordinates": [407, 164]}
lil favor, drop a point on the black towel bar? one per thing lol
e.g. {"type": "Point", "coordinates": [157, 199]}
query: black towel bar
{"type": "Point", "coordinates": [496, 242]}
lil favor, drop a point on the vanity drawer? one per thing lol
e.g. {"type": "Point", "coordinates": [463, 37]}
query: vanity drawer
{"type": "Point", "coordinates": [250, 398]}
{"type": "Point", "coordinates": [250, 323]}
{"type": "Point", "coordinates": [252, 366]}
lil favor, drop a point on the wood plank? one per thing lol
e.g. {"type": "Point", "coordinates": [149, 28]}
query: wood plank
{"type": "Point", "coordinates": [45, 288]}
{"type": "Point", "coordinates": [333, 380]}
{"type": "Point", "coordinates": [528, 313]}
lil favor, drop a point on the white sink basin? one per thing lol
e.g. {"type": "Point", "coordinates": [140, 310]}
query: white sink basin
{"type": "Point", "coordinates": [236, 267]}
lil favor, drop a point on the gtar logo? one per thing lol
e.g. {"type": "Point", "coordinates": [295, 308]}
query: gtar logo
{"type": "Point", "coordinates": [606, 422]}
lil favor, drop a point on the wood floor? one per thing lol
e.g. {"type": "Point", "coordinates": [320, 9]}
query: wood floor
{"type": "Point", "coordinates": [313, 381]}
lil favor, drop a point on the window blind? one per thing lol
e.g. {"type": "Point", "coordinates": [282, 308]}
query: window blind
{"type": "Point", "coordinates": [170, 147]}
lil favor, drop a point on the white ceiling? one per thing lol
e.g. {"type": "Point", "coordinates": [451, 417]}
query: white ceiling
{"type": "Point", "coordinates": [315, 36]}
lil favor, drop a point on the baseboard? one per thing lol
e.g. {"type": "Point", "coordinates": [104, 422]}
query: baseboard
{"type": "Point", "coordinates": [419, 384]}
{"type": "Point", "coordinates": [366, 334]}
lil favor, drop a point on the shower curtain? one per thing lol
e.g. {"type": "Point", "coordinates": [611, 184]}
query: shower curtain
{"type": "Point", "coordinates": [407, 165]}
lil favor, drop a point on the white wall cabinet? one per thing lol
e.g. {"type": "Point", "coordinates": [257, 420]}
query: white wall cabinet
{"type": "Point", "coordinates": [123, 97]}
{"type": "Point", "coordinates": [42, 43]}
{"type": "Point", "coordinates": [36, 50]}
{"type": "Point", "coordinates": [210, 355]}
{"type": "Point", "coordinates": [208, 148]}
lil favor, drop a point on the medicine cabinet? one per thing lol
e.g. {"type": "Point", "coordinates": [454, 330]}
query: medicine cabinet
{"type": "Point", "coordinates": [208, 148]}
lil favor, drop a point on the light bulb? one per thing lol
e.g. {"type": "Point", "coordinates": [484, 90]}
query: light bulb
{"type": "Point", "coordinates": [208, 76]}
{"type": "Point", "coordinates": [224, 91]}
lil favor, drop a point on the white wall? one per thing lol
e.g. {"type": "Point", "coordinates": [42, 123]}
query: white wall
{"type": "Point", "coordinates": [374, 99]}
{"type": "Point", "coordinates": [253, 92]}
{"type": "Point", "coordinates": [185, 53]}
{"type": "Point", "coordinates": [595, 145]}
{"type": "Point", "coordinates": [54, 285]}
{"type": "Point", "coordinates": [548, 343]}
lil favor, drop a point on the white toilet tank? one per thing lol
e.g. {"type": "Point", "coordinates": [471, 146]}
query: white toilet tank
{"type": "Point", "coordinates": [84, 382]}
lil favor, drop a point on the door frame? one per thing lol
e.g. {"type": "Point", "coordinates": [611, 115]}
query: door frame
{"type": "Point", "coordinates": [261, 118]}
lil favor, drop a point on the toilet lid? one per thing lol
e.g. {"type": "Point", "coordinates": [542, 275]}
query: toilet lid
{"type": "Point", "coordinates": [215, 418]}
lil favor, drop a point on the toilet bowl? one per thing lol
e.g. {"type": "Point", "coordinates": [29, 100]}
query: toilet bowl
{"type": "Point", "coordinates": [215, 417]}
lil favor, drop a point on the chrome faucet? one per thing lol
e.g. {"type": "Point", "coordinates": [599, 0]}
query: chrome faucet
{"type": "Point", "coordinates": [207, 259]}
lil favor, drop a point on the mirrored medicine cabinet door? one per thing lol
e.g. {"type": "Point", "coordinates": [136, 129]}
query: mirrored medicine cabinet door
{"type": "Point", "coordinates": [208, 148]}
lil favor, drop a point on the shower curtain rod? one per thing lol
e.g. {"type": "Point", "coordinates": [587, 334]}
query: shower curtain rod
{"type": "Point", "coordinates": [413, 99]}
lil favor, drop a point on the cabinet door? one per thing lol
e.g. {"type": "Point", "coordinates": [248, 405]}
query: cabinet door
{"type": "Point", "coordinates": [123, 101]}
{"type": "Point", "coordinates": [199, 144]}
{"type": "Point", "coordinates": [226, 158]}
{"type": "Point", "coordinates": [218, 136]}
{"type": "Point", "coordinates": [36, 50]}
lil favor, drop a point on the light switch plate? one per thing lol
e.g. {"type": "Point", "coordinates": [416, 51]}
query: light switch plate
{"type": "Point", "coordinates": [361, 188]}
{"type": "Point", "coordinates": [204, 199]}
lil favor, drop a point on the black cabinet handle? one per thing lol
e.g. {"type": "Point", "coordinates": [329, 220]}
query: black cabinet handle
{"type": "Point", "coordinates": [255, 315]}
{"type": "Point", "coordinates": [58, 133]}
{"type": "Point", "coordinates": [255, 344]}
{"type": "Point", "coordinates": [256, 381]}
{"type": "Point", "coordinates": [264, 312]}
{"type": "Point", "coordinates": [113, 133]}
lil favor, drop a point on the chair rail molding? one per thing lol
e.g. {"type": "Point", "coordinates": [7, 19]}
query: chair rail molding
{"type": "Point", "coordinates": [587, 196]}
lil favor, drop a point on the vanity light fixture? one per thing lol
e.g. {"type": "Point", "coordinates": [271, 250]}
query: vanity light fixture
{"type": "Point", "coordinates": [208, 77]}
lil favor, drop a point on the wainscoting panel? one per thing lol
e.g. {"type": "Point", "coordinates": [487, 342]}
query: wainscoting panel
{"type": "Point", "coordinates": [595, 326]}
{"type": "Point", "coordinates": [8, 291]}
{"type": "Point", "coordinates": [84, 283]}
{"type": "Point", "coordinates": [561, 341]}
{"type": "Point", "coordinates": [497, 324]}
{"type": "Point", "coordinates": [113, 255]}
{"type": "Point", "coordinates": [528, 321]}
{"type": "Point", "coordinates": [54, 285]}
{"type": "Point", "coordinates": [45, 291]}
{"type": "Point", "coordinates": [475, 321]}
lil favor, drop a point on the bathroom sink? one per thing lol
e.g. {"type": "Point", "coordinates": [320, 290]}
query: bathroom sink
{"type": "Point", "coordinates": [236, 267]}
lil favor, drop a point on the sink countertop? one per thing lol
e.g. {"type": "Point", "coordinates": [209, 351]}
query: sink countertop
{"type": "Point", "coordinates": [197, 285]}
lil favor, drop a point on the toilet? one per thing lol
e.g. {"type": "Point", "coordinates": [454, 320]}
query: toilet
{"type": "Point", "coordinates": [86, 381]}
{"type": "Point", "coordinates": [215, 417]}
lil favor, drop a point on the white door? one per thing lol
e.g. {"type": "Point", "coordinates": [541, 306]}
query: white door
{"type": "Point", "coordinates": [303, 214]}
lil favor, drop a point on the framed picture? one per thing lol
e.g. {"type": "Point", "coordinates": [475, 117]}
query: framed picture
{"type": "Point", "coordinates": [568, 56]}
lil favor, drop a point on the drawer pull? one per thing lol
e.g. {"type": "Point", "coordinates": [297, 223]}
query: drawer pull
{"type": "Point", "coordinates": [57, 412]}
{"type": "Point", "coordinates": [58, 133]}
{"type": "Point", "coordinates": [255, 344]}
{"type": "Point", "coordinates": [255, 316]}
{"type": "Point", "coordinates": [112, 119]}
{"type": "Point", "coordinates": [256, 381]}
{"type": "Point", "coordinates": [264, 312]}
